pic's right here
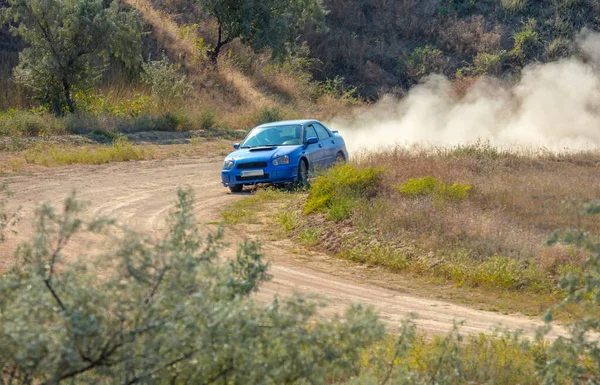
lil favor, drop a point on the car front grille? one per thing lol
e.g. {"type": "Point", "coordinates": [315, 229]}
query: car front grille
{"type": "Point", "coordinates": [242, 166]}
{"type": "Point", "coordinates": [252, 178]}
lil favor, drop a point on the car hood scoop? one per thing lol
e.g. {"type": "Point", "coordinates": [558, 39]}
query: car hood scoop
{"type": "Point", "coordinates": [263, 148]}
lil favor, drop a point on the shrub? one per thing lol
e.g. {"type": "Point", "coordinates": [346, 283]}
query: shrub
{"type": "Point", "coordinates": [166, 310]}
{"type": "Point", "coordinates": [24, 123]}
{"type": "Point", "coordinates": [426, 60]}
{"type": "Point", "coordinates": [337, 191]}
{"type": "Point", "coordinates": [208, 120]}
{"type": "Point", "coordinates": [168, 84]}
{"type": "Point", "coordinates": [267, 115]}
{"type": "Point", "coordinates": [431, 186]}
{"type": "Point", "coordinates": [527, 42]}
{"type": "Point", "coordinates": [488, 63]}
{"type": "Point", "coordinates": [120, 151]}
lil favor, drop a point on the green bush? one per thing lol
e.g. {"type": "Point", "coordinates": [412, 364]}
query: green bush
{"type": "Point", "coordinates": [168, 310]}
{"type": "Point", "coordinates": [25, 123]}
{"type": "Point", "coordinates": [426, 60]}
{"type": "Point", "coordinates": [268, 115]}
{"type": "Point", "coordinates": [431, 186]}
{"type": "Point", "coordinates": [527, 43]}
{"type": "Point", "coordinates": [338, 190]}
{"type": "Point", "coordinates": [168, 84]}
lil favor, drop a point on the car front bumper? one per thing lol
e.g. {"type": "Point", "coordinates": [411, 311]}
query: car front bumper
{"type": "Point", "coordinates": [273, 174]}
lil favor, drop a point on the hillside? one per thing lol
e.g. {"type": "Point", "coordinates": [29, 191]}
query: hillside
{"type": "Point", "coordinates": [380, 45]}
{"type": "Point", "coordinates": [376, 46]}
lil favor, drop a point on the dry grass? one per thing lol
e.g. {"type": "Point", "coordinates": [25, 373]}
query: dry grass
{"type": "Point", "coordinates": [515, 203]}
{"type": "Point", "coordinates": [41, 156]}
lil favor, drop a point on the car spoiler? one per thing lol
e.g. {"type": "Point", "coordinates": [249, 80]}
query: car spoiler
{"type": "Point", "coordinates": [336, 132]}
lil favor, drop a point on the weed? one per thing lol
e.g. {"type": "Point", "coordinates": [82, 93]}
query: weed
{"type": "Point", "coordinates": [245, 210]}
{"type": "Point", "coordinates": [267, 115]}
{"type": "Point", "coordinates": [336, 191]}
{"type": "Point", "coordinates": [310, 236]}
{"type": "Point", "coordinates": [288, 220]}
{"type": "Point", "coordinates": [120, 151]}
{"type": "Point", "coordinates": [431, 186]}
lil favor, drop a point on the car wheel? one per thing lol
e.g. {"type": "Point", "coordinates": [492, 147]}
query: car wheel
{"type": "Point", "coordinates": [236, 188]}
{"type": "Point", "coordinates": [302, 178]}
{"type": "Point", "coordinates": [340, 158]}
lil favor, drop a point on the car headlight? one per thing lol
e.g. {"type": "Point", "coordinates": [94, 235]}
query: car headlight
{"type": "Point", "coordinates": [228, 164]}
{"type": "Point", "coordinates": [281, 160]}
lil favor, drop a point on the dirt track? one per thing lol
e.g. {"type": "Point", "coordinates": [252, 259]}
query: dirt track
{"type": "Point", "coordinates": [141, 194]}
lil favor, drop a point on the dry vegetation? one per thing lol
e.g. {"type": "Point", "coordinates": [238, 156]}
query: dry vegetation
{"type": "Point", "coordinates": [474, 216]}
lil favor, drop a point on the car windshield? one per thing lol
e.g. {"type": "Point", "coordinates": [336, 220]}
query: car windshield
{"type": "Point", "coordinates": [286, 135]}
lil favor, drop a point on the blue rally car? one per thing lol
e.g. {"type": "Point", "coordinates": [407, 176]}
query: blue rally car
{"type": "Point", "coordinates": [282, 152]}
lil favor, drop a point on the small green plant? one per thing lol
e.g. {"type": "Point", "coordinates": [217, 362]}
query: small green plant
{"type": "Point", "coordinates": [288, 221]}
{"type": "Point", "coordinates": [267, 115]}
{"type": "Point", "coordinates": [527, 42]}
{"type": "Point", "coordinates": [208, 120]}
{"type": "Point", "coordinates": [431, 186]}
{"type": "Point", "coordinates": [168, 84]}
{"type": "Point", "coordinates": [310, 237]}
{"type": "Point", "coordinates": [120, 151]}
{"type": "Point", "coordinates": [426, 60]}
{"type": "Point", "coordinates": [337, 191]}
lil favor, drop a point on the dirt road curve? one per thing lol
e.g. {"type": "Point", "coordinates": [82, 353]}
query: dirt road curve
{"type": "Point", "coordinates": [141, 193]}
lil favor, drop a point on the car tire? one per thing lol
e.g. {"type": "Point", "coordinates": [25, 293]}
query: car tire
{"type": "Point", "coordinates": [302, 178]}
{"type": "Point", "coordinates": [236, 188]}
{"type": "Point", "coordinates": [340, 158]}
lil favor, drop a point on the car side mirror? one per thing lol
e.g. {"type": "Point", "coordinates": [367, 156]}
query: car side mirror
{"type": "Point", "coordinates": [236, 145]}
{"type": "Point", "coordinates": [312, 140]}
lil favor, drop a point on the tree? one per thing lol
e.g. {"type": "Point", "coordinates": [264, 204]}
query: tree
{"type": "Point", "coordinates": [262, 24]}
{"type": "Point", "coordinates": [69, 43]}
{"type": "Point", "coordinates": [166, 311]}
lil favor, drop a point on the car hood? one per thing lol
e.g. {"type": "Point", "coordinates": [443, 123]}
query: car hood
{"type": "Point", "coordinates": [259, 154]}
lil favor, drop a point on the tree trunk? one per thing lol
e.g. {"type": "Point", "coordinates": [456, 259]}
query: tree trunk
{"type": "Point", "coordinates": [68, 98]}
{"type": "Point", "coordinates": [213, 54]}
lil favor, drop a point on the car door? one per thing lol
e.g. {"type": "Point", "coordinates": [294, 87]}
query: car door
{"type": "Point", "coordinates": [328, 144]}
{"type": "Point", "coordinates": [315, 152]}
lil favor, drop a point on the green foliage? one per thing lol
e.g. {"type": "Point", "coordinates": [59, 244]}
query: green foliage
{"type": "Point", "coordinates": [25, 123]}
{"type": "Point", "coordinates": [262, 25]}
{"type": "Point", "coordinates": [434, 187]}
{"type": "Point", "coordinates": [575, 357]}
{"type": "Point", "coordinates": [7, 219]}
{"type": "Point", "coordinates": [337, 191]}
{"type": "Point", "coordinates": [288, 220]}
{"type": "Point", "coordinates": [166, 311]}
{"type": "Point", "coordinates": [335, 88]}
{"type": "Point", "coordinates": [527, 42]}
{"type": "Point", "coordinates": [120, 151]}
{"type": "Point", "coordinates": [558, 48]}
{"type": "Point", "coordinates": [426, 60]}
{"type": "Point", "coordinates": [268, 115]}
{"type": "Point", "coordinates": [168, 84]}
{"type": "Point", "coordinates": [451, 359]}
{"type": "Point", "coordinates": [92, 103]}
{"type": "Point", "coordinates": [208, 120]}
{"type": "Point", "coordinates": [68, 43]}
{"type": "Point", "coordinates": [309, 237]}
{"type": "Point", "coordinates": [488, 63]}
{"type": "Point", "coordinates": [245, 211]}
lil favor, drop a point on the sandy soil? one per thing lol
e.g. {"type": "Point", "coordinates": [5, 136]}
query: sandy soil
{"type": "Point", "coordinates": [141, 194]}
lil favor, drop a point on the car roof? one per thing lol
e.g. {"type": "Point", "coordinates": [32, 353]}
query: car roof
{"type": "Point", "coordinates": [301, 122]}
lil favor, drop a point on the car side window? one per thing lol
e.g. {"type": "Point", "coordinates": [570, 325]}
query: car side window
{"type": "Point", "coordinates": [310, 132]}
{"type": "Point", "coordinates": [322, 132]}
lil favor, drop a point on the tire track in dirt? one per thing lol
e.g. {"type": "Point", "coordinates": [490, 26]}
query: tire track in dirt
{"type": "Point", "coordinates": [140, 194]}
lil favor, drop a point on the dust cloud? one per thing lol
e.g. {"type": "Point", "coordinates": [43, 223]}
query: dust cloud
{"type": "Point", "coordinates": [554, 105]}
